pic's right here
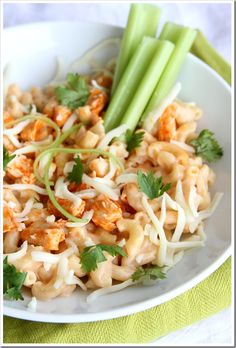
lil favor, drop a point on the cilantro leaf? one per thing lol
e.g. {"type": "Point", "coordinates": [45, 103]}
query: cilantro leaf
{"type": "Point", "coordinates": [67, 97]}
{"type": "Point", "coordinates": [207, 146]}
{"type": "Point", "coordinates": [6, 158]}
{"type": "Point", "coordinates": [93, 255]}
{"type": "Point", "coordinates": [153, 272]}
{"type": "Point", "coordinates": [152, 186]}
{"type": "Point", "coordinates": [12, 281]}
{"type": "Point", "coordinates": [76, 83]}
{"type": "Point", "coordinates": [75, 93]}
{"type": "Point", "coordinates": [113, 250]}
{"type": "Point", "coordinates": [133, 140]}
{"type": "Point", "coordinates": [89, 258]}
{"type": "Point", "coordinates": [77, 172]}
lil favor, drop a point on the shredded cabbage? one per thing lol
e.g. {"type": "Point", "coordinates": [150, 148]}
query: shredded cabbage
{"type": "Point", "coordinates": [100, 292]}
{"type": "Point", "coordinates": [114, 133]}
{"type": "Point", "coordinates": [87, 57]}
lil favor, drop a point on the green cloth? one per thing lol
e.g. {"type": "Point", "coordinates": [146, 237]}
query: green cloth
{"type": "Point", "coordinates": [207, 298]}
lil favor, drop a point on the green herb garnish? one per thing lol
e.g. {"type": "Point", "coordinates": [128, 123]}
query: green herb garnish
{"type": "Point", "coordinates": [77, 172]}
{"type": "Point", "coordinates": [150, 185]}
{"type": "Point", "coordinates": [93, 255]}
{"type": "Point", "coordinates": [6, 158]}
{"type": "Point", "coordinates": [12, 281]}
{"type": "Point", "coordinates": [75, 93]}
{"type": "Point", "coordinates": [133, 140]}
{"type": "Point", "coordinates": [153, 272]}
{"type": "Point", "coordinates": [207, 146]}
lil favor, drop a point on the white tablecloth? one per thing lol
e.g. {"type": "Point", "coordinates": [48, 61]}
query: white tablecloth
{"type": "Point", "coordinates": [214, 19]}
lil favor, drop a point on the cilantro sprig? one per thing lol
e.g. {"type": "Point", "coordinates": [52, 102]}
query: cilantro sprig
{"type": "Point", "coordinates": [75, 93]}
{"type": "Point", "coordinates": [77, 172]}
{"type": "Point", "coordinates": [152, 272]}
{"type": "Point", "coordinates": [93, 255]}
{"type": "Point", "coordinates": [207, 146]}
{"type": "Point", "coordinates": [151, 185]}
{"type": "Point", "coordinates": [133, 140]}
{"type": "Point", "coordinates": [6, 158]}
{"type": "Point", "coordinates": [12, 281]}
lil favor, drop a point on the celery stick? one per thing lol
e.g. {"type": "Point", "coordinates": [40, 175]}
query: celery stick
{"type": "Point", "coordinates": [129, 82]}
{"type": "Point", "coordinates": [148, 84]}
{"type": "Point", "coordinates": [200, 48]}
{"type": "Point", "coordinates": [143, 20]}
{"type": "Point", "coordinates": [203, 50]}
{"type": "Point", "coordinates": [171, 32]}
{"type": "Point", "coordinates": [183, 44]}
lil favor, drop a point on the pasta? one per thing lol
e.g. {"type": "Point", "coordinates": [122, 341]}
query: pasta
{"type": "Point", "coordinates": [52, 222]}
{"type": "Point", "coordinates": [136, 236]}
{"type": "Point", "coordinates": [102, 277]}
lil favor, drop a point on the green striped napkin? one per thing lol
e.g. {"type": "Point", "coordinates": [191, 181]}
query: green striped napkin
{"type": "Point", "coordinates": [207, 298]}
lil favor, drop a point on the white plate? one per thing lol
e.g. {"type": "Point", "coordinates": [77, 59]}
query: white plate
{"type": "Point", "coordinates": [32, 50]}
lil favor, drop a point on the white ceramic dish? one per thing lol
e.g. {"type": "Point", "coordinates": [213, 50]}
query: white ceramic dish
{"type": "Point", "coordinates": [32, 50]}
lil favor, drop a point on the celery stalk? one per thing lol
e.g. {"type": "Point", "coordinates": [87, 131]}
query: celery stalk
{"type": "Point", "coordinates": [203, 50]}
{"type": "Point", "coordinates": [200, 48]}
{"type": "Point", "coordinates": [129, 82]}
{"type": "Point", "coordinates": [184, 40]}
{"type": "Point", "coordinates": [143, 21]}
{"type": "Point", "coordinates": [171, 32]}
{"type": "Point", "coordinates": [147, 85]}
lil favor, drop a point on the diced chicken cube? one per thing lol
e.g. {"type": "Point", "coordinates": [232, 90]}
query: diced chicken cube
{"type": "Point", "coordinates": [9, 223]}
{"type": "Point", "coordinates": [70, 207]}
{"type": "Point", "coordinates": [61, 114]}
{"type": "Point", "coordinates": [47, 235]}
{"type": "Point", "coordinates": [106, 212]}
{"type": "Point", "coordinates": [97, 101]}
{"type": "Point", "coordinates": [35, 131]}
{"type": "Point", "coordinates": [21, 170]}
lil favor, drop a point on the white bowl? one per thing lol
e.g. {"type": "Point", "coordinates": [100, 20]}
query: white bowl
{"type": "Point", "coordinates": [32, 50]}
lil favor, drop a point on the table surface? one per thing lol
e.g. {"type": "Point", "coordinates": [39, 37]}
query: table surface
{"type": "Point", "coordinates": [214, 19]}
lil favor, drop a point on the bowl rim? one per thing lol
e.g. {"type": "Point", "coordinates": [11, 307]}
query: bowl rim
{"type": "Point", "coordinates": [11, 29]}
{"type": "Point", "coordinates": [141, 305]}
{"type": "Point", "coordinates": [57, 22]}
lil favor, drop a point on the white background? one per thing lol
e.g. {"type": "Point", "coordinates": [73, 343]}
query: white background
{"type": "Point", "coordinates": [214, 19]}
